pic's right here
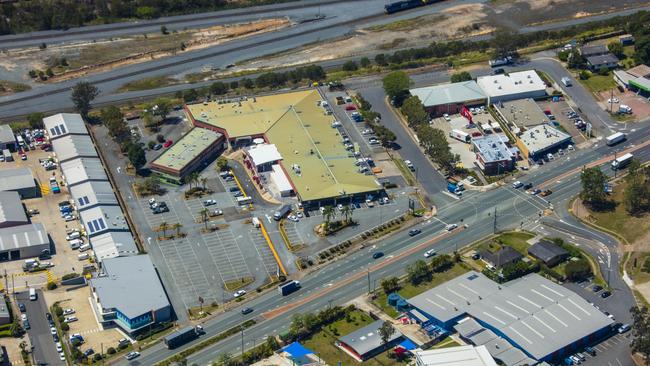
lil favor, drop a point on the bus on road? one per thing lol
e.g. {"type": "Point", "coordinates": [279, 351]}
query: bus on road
{"type": "Point", "coordinates": [622, 162]}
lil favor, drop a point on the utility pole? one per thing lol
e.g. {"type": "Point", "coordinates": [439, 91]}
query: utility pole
{"type": "Point", "coordinates": [494, 229]}
{"type": "Point", "coordinates": [368, 281]}
{"type": "Point", "coordinates": [611, 101]}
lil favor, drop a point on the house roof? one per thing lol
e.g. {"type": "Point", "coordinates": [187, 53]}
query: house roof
{"type": "Point", "coordinates": [63, 124]}
{"type": "Point", "coordinates": [546, 250]}
{"type": "Point", "coordinates": [11, 209]}
{"type": "Point", "coordinates": [16, 178]}
{"type": "Point", "coordinates": [367, 338]}
{"type": "Point", "coordinates": [593, 50]}
{"type": "Point", "coordinates": [455, 356]}
{"type": "Point", "coordinates": [130, 285]}
{"type": "Point", "coordinates": [454, 93]}
{"type": "Point", "coordinates": [602, 59]}
{"type": "Point", "coordinates": [6, 134]}
{"type": "Point", "coordinates": [23, 236]}
{"type": "Point", "coordinates": [81, 170]}
{"type": "Point", "coordinates": [534, 313]}
{"type": "Point", "coordinates": [639, 71]}
{"type": "Point", "coordinates": [187, 148]}
{"type": "Point", "coordinates": [502, 256]}
{"type": "Point", "coordinates": [74, 146]}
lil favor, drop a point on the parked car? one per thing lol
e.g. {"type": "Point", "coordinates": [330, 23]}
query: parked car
{"type": "Point", "coordinates": [605, 294]}
{"type": "Point", "coordinates": [546, 193]}
{"type": "Point", "coordinates": [623, 328]}
{"type": "Point", "coordinates": [535, 191]}
{"type": "Point", "coordinates": [21, 306]}
{"type": "Point", "coordinates": [61, 356]}
{"type": "Point", "coordinates": [131, 355]}
{"type": "Point", "coordinates": [239, 293]}
{"type": "Point", "coordinates": [58, 346]}
{"type": "Point", "coordinates": [68, 218]}
{"type": "Point", "coordinates": [217, 212]}
{"type": "Point", "coordinates": [168, 143]}
{"type": "Point", "coordinates": [596, 288]}
{"type": "Point", "coordinates": [89, 352]}
{"type": "Point", "coordinates": [517, 184]}
{"type": "Point", "coordinates": [209, 202]}
{"type": "Point", "coordinates": [528, 186]}
{"type": "Point", "coordinates": [68, 311]}
{"type": "Point", "coordinates": [70, 319]}
{"type": "Point", "coordinates": [157, 146]}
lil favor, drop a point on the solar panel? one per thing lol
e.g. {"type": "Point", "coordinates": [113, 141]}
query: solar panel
{"type": "Point", "coordinates": [472, 277]}
{"type": "Point", "coordinates": [101, 223]}
{"type": "Point", "coordinates": [62, 128]}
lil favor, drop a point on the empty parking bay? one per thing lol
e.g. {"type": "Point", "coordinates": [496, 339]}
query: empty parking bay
{"type": "Point", "coordinates": [264, 252]}
{"type": "Point", "coordinates": [226, 255]}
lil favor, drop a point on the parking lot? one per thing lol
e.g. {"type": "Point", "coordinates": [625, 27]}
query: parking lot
{"type": "Point", "coordinates": [39, 332]}
{"type": "Point", "coordinates": [460, 123]}
{"type": "Point", "coordinates": [560, 109]}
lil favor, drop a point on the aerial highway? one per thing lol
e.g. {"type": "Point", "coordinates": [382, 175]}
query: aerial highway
{"type": "Point", "coordinates": [352, 276]}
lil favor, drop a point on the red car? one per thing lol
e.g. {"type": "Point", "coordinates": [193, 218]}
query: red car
{"type": "Point", "coordinates": [168, 143]}
{"type": "Point", "coordinates": [46, 147]}
{"type": "Point", "coordinates": [350, 107]}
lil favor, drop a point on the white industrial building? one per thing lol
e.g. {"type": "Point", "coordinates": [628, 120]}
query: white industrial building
{"type": "Point", "coordinates": [280, 181]}
{"type": "Point", "coordinates": [74, 146]}
{"type": "Point", "coordinates": [455, 356]}
{"type": "Point", "coordinates": [23, 241]}
{"type": "Point", "coordinates": [102, 219]}
{"type": "Point", "coordinates": [516, 85]}
{"type": "Point", "coordinates": [93, 193]}
{"type": "Point", "coordinates": [7, 138]}
{"type": "Point", "coordinates": [63, 124]}
{"type": "Point", "coordinates": [113, 244]}
{"type": "Point", "coordinates": [82, 170]}
{"type": "Point", "coordinates": [19, 180]}
{"type": "Point", "coordinates": [537, 141]}
{"type": "Point", "coordinates": [12, 212]}
{"type": "Point", "coordinates": [263, 156]}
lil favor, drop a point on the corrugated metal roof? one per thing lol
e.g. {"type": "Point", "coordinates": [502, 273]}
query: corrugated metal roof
{"type": "Point", "coordinates": [23, 236]}
{"type": "Point", "coordinates": [16, 178]}
{"type": "Point", "coordinates": [74, 146]}
{"type": "Point", "coordinates": [6, 134]}
{"type": "Point", "coordinates": [455, 93]}
{"type": "Point", "coordinates": [101, 219]}
{"type": "Point", "coordinates": [131, 285]}
{"type": "Point", "coordinates": [11, 209]}
{"type": "Point", "coordinates": [113, 244]}
{"type": "Point", "coordinates": [83, 169]}
{"type": "Point", "coordinates": [367, 338]}
{"type": "Point", "coordinates": [63, 124]}
{"type": "Point", "coordinates": [89, 194]}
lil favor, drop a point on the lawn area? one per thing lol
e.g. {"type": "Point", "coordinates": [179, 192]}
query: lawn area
{"type": "Point", "coordinates": [619, 221]}
{"type": "Point", "coordinates": [446, 343]}
{"type": "Point", "coordinates": [8, 87]}
{"type": "Point", "coordinates": [408, 290]}
{"type": "Point", "coordinates": [638, 267]}
{"type": "Point", "coordinates": [147, 83]}
{"type": "Point", "coordinates": [514, 239]}
{"type": "Point", "coordinates": [322, 343]}
{"type": "Point", "coordinates": [597, 83]}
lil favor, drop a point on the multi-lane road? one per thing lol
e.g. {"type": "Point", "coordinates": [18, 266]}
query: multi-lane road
{"type": "Point", "coordinates": [346, 278]}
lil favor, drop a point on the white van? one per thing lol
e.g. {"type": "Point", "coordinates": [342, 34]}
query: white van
{"type": "Point", "coordinates": [73, 235]}
{"type": "Point", "coordinates": [32, 294]}
{"type": "Point", "coordinates": [83, 256]}
{"type": "Point", "coordinates": [76, 243]}
{"type": "Point", "coordinates": [84, 247]}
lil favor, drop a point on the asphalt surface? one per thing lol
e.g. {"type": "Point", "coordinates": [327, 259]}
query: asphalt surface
{"type": "Point", "coordinates": [339, 283]}
{"type": "Point", "coordinates": [41, 338]}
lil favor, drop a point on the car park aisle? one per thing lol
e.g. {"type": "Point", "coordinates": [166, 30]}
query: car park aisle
{"type": "Point", "coordinates": [39, 333]}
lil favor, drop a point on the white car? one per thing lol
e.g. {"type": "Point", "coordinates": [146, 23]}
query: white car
{"type": "Point", "coordinates": [430, 253]}
{"type": "Point", "coordinates": [152, 201]}
{"type": "Point", "coordinates": [61, 356]}
{"type": "Point", "coordinates": [69, 218]}
{"type": "Point", "coordinates": [339, 207]}
{"type": "Point", "coordinates": [612, 100]}
{"type": "Point", "coordinates": [293, 218]}
{"type": "Point", "coordinates": [367, 131]}
{"type": "Point", "coordinates": [218, 212]}
{"type": "Point", "coordinates": [517, 184]}
{"type": "Point", "coordinates": [52, 330]}
{"type": "Point", "coordinates": [59, 348]}
{"type": "Point", "coordinates": [451, 227]}
{"type": "Point", "coordinates": [446, 117]}
{"type": "Point", "coordinates": [70, 319]}
{"type": "Point", "coordinates": [23, 317]}
{"type": "Point", "coordinates": [239, 293]}
{"type": "Point", "coordinates": [409, 165]}
{"type": "Point", "coordinates": [209, 202]}
{"type": "Point", "coordinates": [131, 355]}
{"type": "Point", "coordinates": [68, 311]}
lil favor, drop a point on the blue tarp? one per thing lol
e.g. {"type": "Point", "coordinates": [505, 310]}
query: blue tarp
{"type": "Point", "coordinates": [408, 345]}
{"type": "Point", "coordinates": [297, 350]}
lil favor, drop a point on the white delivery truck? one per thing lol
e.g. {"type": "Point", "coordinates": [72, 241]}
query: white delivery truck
{"type": "Point", "coordinates": [460, 135]}
{"type": "Point", "coordinates": [615, 138]}
{"type": "Point", "coordinates": [622, 161]}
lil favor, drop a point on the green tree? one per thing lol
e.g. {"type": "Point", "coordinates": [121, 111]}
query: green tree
{"type": "Point", "coordinates": [578, 270]}
{"type": "Point", "coordinates": [584, 75]}
{"type": "Point", "coordinates": [576, 61]}
{"type": "Point", "coordinates": [328, 215]}
{"type": "Point", "coordinates": [593, 187]}
{"type": "Point", "coordinates": [136, 156]}
{"type": "Point", "coordinates": [350, 66]}
{"type": "Point", "coordinates": [617, 49]}
{"type": "Point", "coordinates": [441, 263]}
{"type": "Point", "coordinates": [641, 332]}
{"type": "Point", "coordinates": [364, 105]}
{"type": "Point", "coordinates": [164, 30]}
{"type": "Point", "coordinates": [163, 227]}
{"type": "Point", "coordinates": [205, 214]}
{"type": "Point", "coordinates": [364, 62]}
{"type": "Point", "coordinates": [642, 49]}
{"type": "Point", "coordinates": [386, 331]}
{"type": "Point", "coordinates": [504, 43]}
{"type": "Point", "coordinates": [35, 120]}
{"type": "Point", "coordinates": [347, 213]}
{"type": "Point", "coordinates": [15, 328]}
{"type": "Point", "coordinates": [418, 272]}
{"type": "Point", "coordinates": [390, 285]}
{"type": "Point", "coordinates": [603, 71]}
{"type": "Point", "coordinates": [396, 85]}
{"type": "Point", "coordinates": [380, 59]}
{"type": "Point", "coordinates": [83, 93]}
{"type": "Point", "coordinates": [222, 164]}
{"type": "Point", "coordinates": [164, 106]}
{"type": "Point", "coordinates": [151, 144]}
{"type": "Point", "coordinates": [510, 271]}
{"type": "Point", "coordinates": [177, 226]}
{"type": "Point", "coordinates": [190, 95]}
{"type": "Point", "coordinates": [218, 88]}
{"type": "Point", "coordinates": [637, 192]}
{"type": "Point", "coordinates": [113, 119]}
{"type": "Point", "coordinates": [436, 147]}
{"type": "Point", "coordinates": [385, 136]}
{"type": "Point", "coordinates": [414, 111]}
{"type": "Point", "coordinates": [461, 76]}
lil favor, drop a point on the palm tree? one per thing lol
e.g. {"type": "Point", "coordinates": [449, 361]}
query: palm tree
{"type": "Point", "coordinates": [163, 227]}
{"type": "Point", "coordinates": [328, 215]}
{"type": "Point", "coordinates": [347, 212]}
{"type": "Point", "coordinates": [177, 226]}
{"type": "Point", "coordinates": [204, 180]}
{"type": "Point", "coordinates": [204, 216]}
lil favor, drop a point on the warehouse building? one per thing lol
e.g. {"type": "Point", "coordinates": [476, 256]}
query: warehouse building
{"type": "Point", "coordinates": [64, 124]}
{"type": "Point", "coordinates": [316, 163]}
{"type": "Point", "coordinates": [636, 79]}
{"type": "Point", "coordinates": [83, 170]}
{"type": "Point", "coordinates": [366, 342]}
{"type": "Point", "coordinates": [538, 141]}
{"type": "Point", "coordinates": [493, 156]}
{"type": "Point", "coordinates": [71, 147]}
{"type": "Point", "coordinates": [470, 331]}
{"type": "Point", "coordinates": [113, 244]}
{"type": "Point", "coordinates": [128, 293]}
{"type": "Point", "coordinates": [91, 194]}
{"type": "Point", "coordinates": [517, 85]}
{"type": "Point", "coordinates": [7, 138]}
{"type": "Point", "coordinates": [12, 212]}
{"type": "Point", "coordinates": [20, 180]}
{"type": "Point", "coordinates": [455, 356]}
{"type": "Point", "coordinates": [23, 241]}
{"type": "Point", "coordinates": [192, 152]}
{"type": "Point", "coordinates": [450, 98]}
{"type": "Point", "coordinates": [102, 219]}
{"type": "Point", "coordinates": [527, 313]}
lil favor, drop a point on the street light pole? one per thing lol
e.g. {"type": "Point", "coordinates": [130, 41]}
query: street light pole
{"type": "Point", "coordinates": [368, 281]}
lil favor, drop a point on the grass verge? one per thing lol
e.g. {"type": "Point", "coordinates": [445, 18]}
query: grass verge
{"type": "Point", "coordinates": [597, 83]}
{"type": "Point", "coordinates": [234, 285]}
{"type": "Point", "coordinates": [148, 83]}
{"type": "Point", "coordinates": [8, 87]}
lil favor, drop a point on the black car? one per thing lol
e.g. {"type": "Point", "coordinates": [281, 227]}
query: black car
{"type": "Point", "coordinates": [596, 288]}
{"type": "Point", "coordinates": [21, 306]}
{"type": "Point", "coordinates": [605, 294]}
{"type": "Point", "coordinates": [499, 71]}
{"type": "Point", "coordinates": [48, 316]}
{"type": "Point", "coordinates": [528, 186]}
{"type": "Point", "coordinates": [89, 352]}
{"type": "Point", "coordinates": [245, 311]}
{"type": "Point", "coordinates": [377, 255]}
{"type": "Point", "coordinates": [414, 232]}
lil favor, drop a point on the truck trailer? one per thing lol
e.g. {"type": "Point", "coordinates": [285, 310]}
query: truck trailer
{"type": "Point", "coordinates": [182, 336]}
{"type": "Point", "coordinates": [288, 287]}
{"type": "Point", "coordinates": [282, 212]}
{"type": "Point", "coordinates": [460, 135]}
{"type": "Point", "coordinates": [615, 138]}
